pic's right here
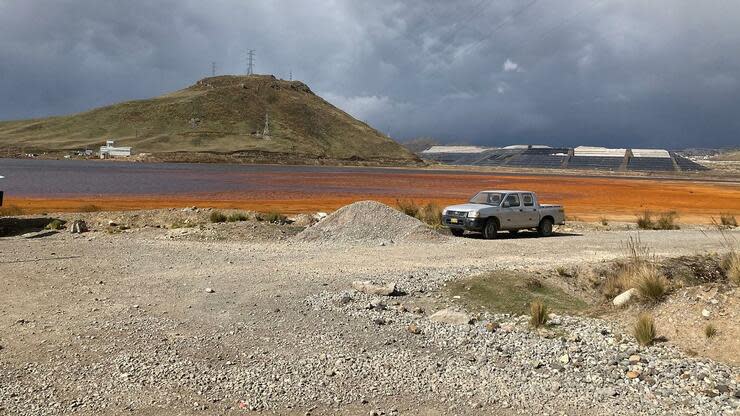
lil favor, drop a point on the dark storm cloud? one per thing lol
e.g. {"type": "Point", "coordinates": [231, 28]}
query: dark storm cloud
{"type": "Point", "coordinates": [604, 72]}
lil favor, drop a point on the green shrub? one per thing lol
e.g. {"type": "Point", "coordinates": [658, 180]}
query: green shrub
{"type": "Point", "coordinates": [710, 331]}
{"type": "Point", "coordinates": [644, 330]}
{"type": "Point", "coordinates": [217, 216]}
{"type": "Point", "coordinates": [236, 217]}
{"type": "Point", "coordinates": [55, 224]}
{"type": "Point", "coordinates": [537, 313]}
{"type": "Point", "coordinates": [728, 220]}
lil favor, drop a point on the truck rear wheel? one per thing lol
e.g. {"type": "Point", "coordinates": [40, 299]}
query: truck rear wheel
{"type": "Point", "coordinates": [545, 228]}
{"type": "Point", "coordinates": [457, 232]}
{"type": "Point", "coordinates": [490, 229]}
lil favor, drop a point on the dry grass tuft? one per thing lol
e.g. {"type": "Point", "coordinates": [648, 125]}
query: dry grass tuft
{"type": "Point", "coordinates": [217, 216]}
{"type": "Point", "coordinates": [665, 221]}
{"type": "Point", "coordinates": [408, 207]}
{"type": "Point", "coordinates": [273, 217]}
{"type": "Point", "coordinates": [649, 281]}
{"type": "Point", "coordinates": [731, 261]}
{"type": "Point", "coordinates": [731, 266]}
{"type": "Point", "coordinates": [537, 313]}
{"type": "Point", "coordinates": [710, 331]}
{"type": "Point", "coordinates": [236, 217]}
{"type": "Point", "coordinates": [431, 213]}
{"type": "Point", "coordinates": [728, 220]}
{"type": "Point", "coordinates": [11, 211]}
{"type": "Point", "coordinates": [644, 330]}
{"type": "Point", "coordinates": [640, 272]}
{"type": "Point", "coordinates": [89, 208]}
{"type": "Point", "coordinates": [645, 221]}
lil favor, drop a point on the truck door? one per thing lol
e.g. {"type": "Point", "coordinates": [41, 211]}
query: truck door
{"type": "Point", "coordinates": [530, 216]}
{"type": "Point", "coordinates": [509, 215]}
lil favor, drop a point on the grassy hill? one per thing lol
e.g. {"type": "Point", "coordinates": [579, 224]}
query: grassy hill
{"type": "Point", "coordinates": [222, 115]}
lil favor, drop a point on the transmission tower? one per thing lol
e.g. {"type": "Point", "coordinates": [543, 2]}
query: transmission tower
{"type": "Point", "coordinates": [250, 62]}
{"type": "Point", "coordinates": [213, 69]}
{"type": "Point", "coordinates": [266, 131]}
{"type": "Point", "coordinates": [290, 76]}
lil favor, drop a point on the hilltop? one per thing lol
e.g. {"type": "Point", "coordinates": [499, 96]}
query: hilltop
{"type": "Point", "coordinates": [218, 116]}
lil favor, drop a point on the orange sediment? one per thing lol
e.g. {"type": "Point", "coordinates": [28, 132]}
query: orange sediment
{"type": "Point", "coordinates": [586, 198]}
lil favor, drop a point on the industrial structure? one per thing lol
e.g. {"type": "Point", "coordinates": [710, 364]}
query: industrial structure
{"type": "Point", "coordinates": [581, 157]}
{"type": "Point", "coordinates": [110, 150]}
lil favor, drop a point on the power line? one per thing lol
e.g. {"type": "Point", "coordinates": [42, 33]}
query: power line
{"type": "Point", "coordinates": [250, 62]}
{"type": "Point", "coordinates": [500, 25]}
{"type": "Point", "coordinates": [478, 9]}
{"type": "Point", "coordinates": [553, 28]}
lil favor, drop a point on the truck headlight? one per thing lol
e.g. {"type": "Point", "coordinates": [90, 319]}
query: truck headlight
{"type": "Point", "coordinates": [473, 214]}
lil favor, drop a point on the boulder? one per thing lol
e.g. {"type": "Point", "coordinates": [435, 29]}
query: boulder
{"type": "Point", "coordinates": [78, 227]}
{"type": "Point", "coordinates": [624, 298]}
{"type": "Point", "coordinates": [366, 286]}
{"type": "Point", "coordinates": [451, 316]}
{"type": "Point", "coordinates": [302, 220]}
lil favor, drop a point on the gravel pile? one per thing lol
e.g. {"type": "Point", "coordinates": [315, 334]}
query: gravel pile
{"type": "Point", "coordinates": [368, 222]}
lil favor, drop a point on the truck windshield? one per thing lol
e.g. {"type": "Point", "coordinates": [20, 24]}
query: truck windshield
{"type": "Point", "coordinates": [488, 198]}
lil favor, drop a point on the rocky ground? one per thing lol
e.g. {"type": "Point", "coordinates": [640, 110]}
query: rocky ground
{"type": "Point", "coordinates": [143, 320]}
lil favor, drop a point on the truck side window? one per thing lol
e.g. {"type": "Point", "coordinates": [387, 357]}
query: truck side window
{"type": "Point", "coordinates": [512, 200]}
{"type": "Point", "coordinates": [528, 200]}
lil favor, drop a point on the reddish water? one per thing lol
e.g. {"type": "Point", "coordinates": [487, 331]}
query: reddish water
{"type": "Point", "coordinates": [66, 185]}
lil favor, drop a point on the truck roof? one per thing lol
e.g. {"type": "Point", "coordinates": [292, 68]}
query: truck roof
{"type": "Point", "coordinates": [507, 191]}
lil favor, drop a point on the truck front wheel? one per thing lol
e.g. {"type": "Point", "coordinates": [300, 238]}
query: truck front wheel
{"type": "Point", "coordinates": [545, 228]}
{"type": "Point", "coordinates": [490, 229]}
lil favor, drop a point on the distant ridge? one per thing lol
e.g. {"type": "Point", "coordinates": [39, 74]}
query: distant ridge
{"type": "Point", "coordinates": [218, 115]}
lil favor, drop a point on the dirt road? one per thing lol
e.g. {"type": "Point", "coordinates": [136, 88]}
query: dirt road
{"type": "Point", "coordinates": [101, 324]}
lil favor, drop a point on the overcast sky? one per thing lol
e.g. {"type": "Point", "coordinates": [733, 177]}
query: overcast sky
{"type": "Point", "coordinates": [659, 73]}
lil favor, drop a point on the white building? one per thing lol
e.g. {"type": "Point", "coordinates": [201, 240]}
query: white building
{"type": "Point", "coordinates": [110, 150]}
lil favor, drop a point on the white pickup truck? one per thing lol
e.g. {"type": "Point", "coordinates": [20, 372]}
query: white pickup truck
{"type": "Point", "coordinates": [491, 211]}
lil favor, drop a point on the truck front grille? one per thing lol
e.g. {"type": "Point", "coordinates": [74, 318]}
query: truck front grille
{"type": "Point", "coordinates": [460, 214]}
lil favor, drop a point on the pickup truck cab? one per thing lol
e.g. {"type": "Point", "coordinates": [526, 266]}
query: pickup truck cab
{"type": "Point", "coordinates": [491, 211]}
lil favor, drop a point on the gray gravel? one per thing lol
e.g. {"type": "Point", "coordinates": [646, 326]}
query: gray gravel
{"type": "Point", "coordinates": [109, 324]}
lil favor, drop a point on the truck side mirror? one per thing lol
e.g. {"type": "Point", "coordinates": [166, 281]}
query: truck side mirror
{"type": "Point", "coordinates": [506, 204]}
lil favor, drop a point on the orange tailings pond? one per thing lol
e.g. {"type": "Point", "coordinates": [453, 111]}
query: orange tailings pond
{"type": "Point", "coordinates": [325, 189]}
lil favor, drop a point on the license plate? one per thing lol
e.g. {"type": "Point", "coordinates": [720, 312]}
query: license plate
{"type": "Point", "coordinates": [453, 220]}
